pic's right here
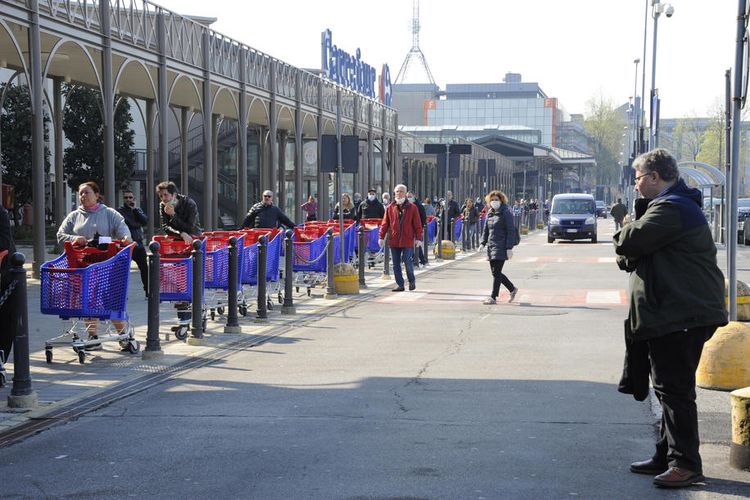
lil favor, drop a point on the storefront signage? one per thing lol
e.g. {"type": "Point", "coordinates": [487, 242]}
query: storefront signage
{"type": "Point", "coordinates": [350, 71]}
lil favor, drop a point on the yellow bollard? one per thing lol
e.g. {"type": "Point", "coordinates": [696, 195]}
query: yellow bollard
{"type": "Point", "coordinates": [345, 279]}
{"type": "Point", "coordinates": [743, 300]}
{"type": "Point", "coordinates": [739, 451]}
{"type": "Point", "coordinates": [449, 250]}
{"type": "Point", "coordinates": [724, 364]}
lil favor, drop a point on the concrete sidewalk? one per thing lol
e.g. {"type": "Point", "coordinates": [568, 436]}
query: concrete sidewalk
{"type": "Point", "coordinates": [65, 381]}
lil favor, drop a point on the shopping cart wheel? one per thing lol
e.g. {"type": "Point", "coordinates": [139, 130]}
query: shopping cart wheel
{"type": "Point", "coordinates": [281, 299]}
{"type": "Point", "coordinates": [296, 288]}
{"type": "Point", "coordinates": [134, 346]}
{"type": "Point", "coordinates": [205, 323]}
{"type": "Point", "coordinates": [242, 309]}
{"type": "Point", "coordinates": [81, 356]}
{"type": "Point", "coordinates": [181, 332]}
{"type": "Point", "coordinates": [269, 303]}
{"type": "Point", "coordinates": [220, 310]}
{"type": "Point", "coordinates": [309, 291]}
{"type": "Point", "coordinates": [48, 354]}
{"type": "Point", "coordinates": [213, 316]}
{"type": "Point", "coordinates": [2, 379]}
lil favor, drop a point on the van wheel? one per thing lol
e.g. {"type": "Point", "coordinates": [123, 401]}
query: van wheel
{"type": "Point", "coordinates": [550, 239]}
{"type": "Point", "coordinates": [593, 240]}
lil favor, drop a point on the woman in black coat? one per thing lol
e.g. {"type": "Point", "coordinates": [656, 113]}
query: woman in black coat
{"type": "Point", "coordinates": [499, 238]}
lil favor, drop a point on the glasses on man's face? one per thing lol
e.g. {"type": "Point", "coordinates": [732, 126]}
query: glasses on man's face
{"type": "Point", "coordinates": [267, 196]}
{"type": "Point", "coordinates": [639, 177]}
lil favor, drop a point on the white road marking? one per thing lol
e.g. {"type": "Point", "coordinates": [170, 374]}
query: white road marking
{"type": "Point", "coordinates": [484, 317]}
{"type": "Point", "coordinates": [405, 296]}
{"type": "Point", "coordinates": [606, 260]}
{"type": "Point", "coordinates": [603, 297]}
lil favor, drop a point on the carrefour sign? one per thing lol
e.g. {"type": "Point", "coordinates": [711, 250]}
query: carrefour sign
{"type": "Point", "coordinates": [350, 71]}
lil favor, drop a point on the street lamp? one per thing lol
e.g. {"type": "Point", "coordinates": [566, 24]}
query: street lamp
{"type": "Point", "coordinates": [636, 109]}
{"type": "Point", "coordinates": [657, 9]}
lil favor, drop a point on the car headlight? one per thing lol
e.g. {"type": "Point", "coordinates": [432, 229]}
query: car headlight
{"type": "Point", "coordinates": [590, 221]}
{"type": "Point", "coordinates": [554, 220]}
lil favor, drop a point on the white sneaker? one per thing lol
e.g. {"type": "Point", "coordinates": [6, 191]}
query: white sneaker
{"type": "Point", "coordinates": [489, 301]}
{"type": "Point", "coordinates": [513, 294]}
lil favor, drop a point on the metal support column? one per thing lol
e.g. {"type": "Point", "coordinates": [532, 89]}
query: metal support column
{"type": "Point", "coordinates": [280, 166]}
{"type": "Point", "coordinates": [163, 99]}
{"type": "Point", "coordinates": [273, 184]}
{"type": "Point", "coordinates": [215, 170]}
{"type": "Point", "coordinates": [242, 144]}
{"type": "Point", "coordinates": [37, 137]}
{"type": "Point", "coordinates": [60, 211]}
{"type": "Point", "coordinates": [151, 200]}
{"type": "Point", "coordinates": [298, 159]}
{"type": "Point", "coordinates": [108, 101]}
{"type": "Point", "coordinates": [184, 174]}
{"type": "Point", "coordinates": [207, 110]}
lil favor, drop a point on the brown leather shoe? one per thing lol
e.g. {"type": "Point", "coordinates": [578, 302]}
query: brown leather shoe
{"type": "Point", "coordinates": [649, 467]}
{"type": "Point", "coordinates": [676, 477]}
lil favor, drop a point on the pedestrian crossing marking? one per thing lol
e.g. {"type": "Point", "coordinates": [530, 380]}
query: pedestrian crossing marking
{"type": "Point", "coordinates": [527, 297]}
{"type": "Point", "coordinates": [549, 259]}
{"type": "Point", "coordinates": [603, 297]}
{"type": "Point", "coordinates": [607, 260]}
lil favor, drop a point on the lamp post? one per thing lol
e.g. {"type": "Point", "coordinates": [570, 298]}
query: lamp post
{"type": "Point", "coordinates": [636, 109]}
{"type": "Point", "coordinates": [656, 11]}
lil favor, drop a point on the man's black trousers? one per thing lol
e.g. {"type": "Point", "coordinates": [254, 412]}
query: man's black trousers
{"type": "Point", "coordinates": [674, 359]}
{"type": "Point", "coordinates": [139, 257]}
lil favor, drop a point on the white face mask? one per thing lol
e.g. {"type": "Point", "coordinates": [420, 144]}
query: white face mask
{"type": "Point", "coordinates": [400, 200]}
{"type": "Point", "coordinates": [495, 204]}
{"type": "Point", "coordinates": [411, 199]}
{"type": "Point", "coordinates": [371, 197]}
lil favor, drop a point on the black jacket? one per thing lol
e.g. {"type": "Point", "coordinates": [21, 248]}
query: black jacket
{"type": "Point", "coordinates": [6, 239]}
{"type": "Point", "coordinates": [453, 209]}
{"type": "Point", "coordinates": [348, 213]}
{"type": "Point", "coordinates": [266, 216]}
{"type": "Point", "coordinates": [422, 213]}
{"type": "Point", "coordinates": [184, 220]}
{"type": "Point", "coordinates": [370, 210]}
{"type": "Point", "coordinates": [135, 219]}
{"type": "Point", "coordinates": [471, 216]}
{"type": "Point", "coordinates": [497, 233]}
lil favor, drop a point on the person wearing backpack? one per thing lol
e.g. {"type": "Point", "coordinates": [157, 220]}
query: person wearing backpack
{"type": "Point", "coordinates": [499, 237]}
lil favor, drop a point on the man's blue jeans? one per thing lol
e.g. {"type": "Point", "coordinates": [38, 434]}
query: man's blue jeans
{"type": "Point", "coordinates": [405, 255]}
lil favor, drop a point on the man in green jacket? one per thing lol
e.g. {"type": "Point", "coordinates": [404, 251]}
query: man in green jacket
{"type": "Point", "coordinates": [676, 304]}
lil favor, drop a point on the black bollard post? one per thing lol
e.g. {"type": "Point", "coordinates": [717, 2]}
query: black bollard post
{"type": "Point", "coordinates": [426, 245]}
{"type": "Point", "coordinates": [464, 231]}
{"type": "Point", "coordinates": [21, 395]}
{"type": "Point", "coordinates": [362, 252]}
{"type": "Point", "coordinates": [262, 313]}
{"type": "Point", "coordinates": [153, 343]}
{"type": "Point", "coordinates": [386, 258]}
{"type": "Point", "coordinates": [288, 306]}
{"type": "Point", "coordinates": [197, 328]}
{"type": "Point", "coordinates": [330, 287]}
{"type": "Point", "coordinates": [233, 324]}
{"type": "Point", "coordinates": [452, 237]}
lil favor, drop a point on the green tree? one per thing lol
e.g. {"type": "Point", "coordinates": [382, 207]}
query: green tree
{"type": "Point", "coordinates": [605, 126]}
{"type": "Point", "coordinates": [687, 139]}
{"type": "Point", "coordinates": [84, 130]}
{"type": "Point", "coordinates": [712, 142]}
{"type": "Point", "coordinates": [15, 133]}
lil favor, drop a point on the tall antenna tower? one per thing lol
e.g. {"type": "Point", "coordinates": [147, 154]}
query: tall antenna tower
{"type": "Point", "coordinates": [415, 57]}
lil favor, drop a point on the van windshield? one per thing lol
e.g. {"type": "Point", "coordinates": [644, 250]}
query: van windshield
{"type": "Point", "coordinates": [573, 207]}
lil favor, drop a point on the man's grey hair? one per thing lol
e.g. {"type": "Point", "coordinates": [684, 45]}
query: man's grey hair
{"type": "Point", "coordinates": [267, 192]}
{"type": "Point", "coordinates": [401, 186]}
{"type": "Point", "coordinates": [658, 160]}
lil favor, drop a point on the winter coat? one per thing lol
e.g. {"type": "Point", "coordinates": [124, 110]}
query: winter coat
{"type": "Point", "coordinates": [266, 216]}
{"type": "Point", "coordinates": [498, 234]}
{"type": "Point", "coordinates": [422, 212]}
{"type": "Point", "coordinates": [453, 209]}
{"type": "Point", "coordinates": [135, 219]}
{"type": "Point", "coordinates": [370, 210]}
{"type": "Point", "coordinates": [402, 225]}
{"type": "Point", "coordinates": [81, 222]}
{"type": "Point", "coordinates": [471, 215]}
{"type": "Point", "coordinates": [619, 211]}
{"type": "Point", "coordinates": [184, 220]}
{"type": "Point", "coordinates": [6, 239]}
{"type": "Point", "coordinates": [349, 213]}
{"type": "Point", "coordinates": [675, 283]}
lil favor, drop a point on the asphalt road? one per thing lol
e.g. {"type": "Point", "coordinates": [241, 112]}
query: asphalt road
{"type": "Point", "coordinates": [428, 394]}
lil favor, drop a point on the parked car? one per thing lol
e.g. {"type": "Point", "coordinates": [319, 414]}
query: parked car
{"type": "Point", "coordinates": [743, 214]}
{"type": "Point", "coordinates": [572, 217]}
{"type": "Point", "coordinates": [601, 209]}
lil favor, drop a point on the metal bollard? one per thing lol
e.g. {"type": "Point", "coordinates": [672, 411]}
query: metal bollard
{"type": "Point", "coordinates": [330, 287]}
{"type": "Point", "coordinates": [362, 252]}
{"type": "Point", "coordinates": [426, 245]}
{"type": "Point", "coordinates": [233, 324]}
{"type": "Point", "coordinates": [288, 306]}
{"type": "Point", "coordinates": [450, 233]}
{"type": "Point", "coordinates": [464, 232]}
{"type": "Point", "coordinates": [262, 312]}
{"type": "Point", "coordinates": [197, 328]}
{"type": "Point", "coordinates": [153, 343]}
{"type": "Point", "coordinates": [21, 395]}
{"type": "Point", "coordinates": [386, 258]}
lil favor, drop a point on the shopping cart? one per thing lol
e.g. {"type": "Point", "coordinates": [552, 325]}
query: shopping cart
{"type": "Point", "coordinates": [176, 280]}
{"type": "Point", "coordinates": [86, 284]}
{"type": "Point", "coordinates": [374, 251]}
{"type": "Point", "coordinates": [249, 268]}
{"type": "Point", "coordinates": [309, 262]}
{"type": "Point", "coordinates": [216, 270]}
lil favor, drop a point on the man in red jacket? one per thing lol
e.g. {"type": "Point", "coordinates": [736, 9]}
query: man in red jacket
{"type": "Point", "coordinates": [401, 222]}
